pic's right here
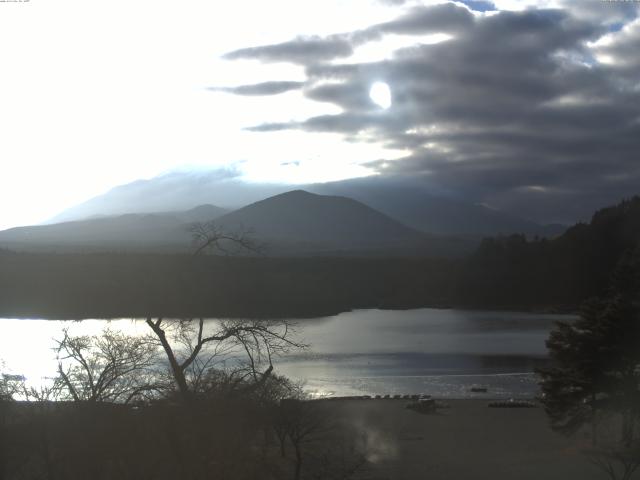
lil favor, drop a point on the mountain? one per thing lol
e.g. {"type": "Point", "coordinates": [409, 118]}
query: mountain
{"type": "Point", "coordinates": [201, 213]}
{"type": "Point", "coordinates": [411, 203]}
{"type": "Point", "coordinates": [130, 231]}
{"type": "Point", "coordinates": [290, 224]}
{"type": "Point", "coordinates": [320, 221]}
{"type": "Point", "coordinates": [407, 200]}
{"type": "Point", "coordinates": [175, 191]}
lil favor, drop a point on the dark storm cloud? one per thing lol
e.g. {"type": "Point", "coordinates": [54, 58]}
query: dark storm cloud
{"type": "Point", "coordinates": [302, 50]}
{"type": "Point", "coordinates": [264, 88]}
{"type": "Point", "coordinates": [525, 111]}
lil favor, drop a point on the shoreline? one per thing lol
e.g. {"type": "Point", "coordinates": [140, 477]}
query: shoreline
{"type": "Point", "coordinates": [520, 386]}
{"type": "Point", "coordinates": [20, 314]}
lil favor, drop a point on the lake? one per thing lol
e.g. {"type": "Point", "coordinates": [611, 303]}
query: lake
{"type": "Point", "coordinates": [442, 352]}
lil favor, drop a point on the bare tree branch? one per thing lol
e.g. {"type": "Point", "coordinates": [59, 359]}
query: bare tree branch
{"type": "Point", "coordinates": [211, 236]}
{"type": "Point", "coordinates": [193, 352]}
{"type": "Point", "coordinates": [107, 367]}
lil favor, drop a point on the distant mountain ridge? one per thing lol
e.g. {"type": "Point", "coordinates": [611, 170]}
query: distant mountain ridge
{"type": "Point", "coordinates": [176, 191]}
{"type": "Point", "coordinates": [132, 230]}
{"type": "Point", "coordinates": [506, 272]}
{"type": "Point", "coordinates": [404, 199]}
{"type": "Point", "coordinates": [411, 203]}
{"type": "Point", "coordinates": [292, 223]}
{"type": "Point", "coordinates": [309, 217]}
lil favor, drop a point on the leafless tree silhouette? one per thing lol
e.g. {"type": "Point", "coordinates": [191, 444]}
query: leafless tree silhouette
{"type": "Point", "coordinates": [250, 345]}
{"type": "Point", "coordinates": [209, 236]}
{"type": "Point", "coordinates": [110, 367]}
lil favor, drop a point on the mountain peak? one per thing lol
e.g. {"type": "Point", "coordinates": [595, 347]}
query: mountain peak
{"type": "Point", "coordinates": [303, 217]}
{"type": "Point", "coordinates": [297, 193]}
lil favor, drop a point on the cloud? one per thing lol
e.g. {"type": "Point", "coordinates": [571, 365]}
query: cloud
{"type": "Point", "coordinates": [174, 190]}
{"type": "Point", "coordinates": [443, 18]}
{"type": "Point", "coordinates": [264, 88]}
{"type": "Point", "coordinates": [605, 12]}
{"type": "Point", "coordinates": [534, 111]}
{"type": "Point", "coordinates": [620, 50]}
{"type": "Point", "coordinates": [479, 5]}
{"type": "Point", "coordinates": [271, 127]}
{"type": "Point", "coordinates": [353, 96]}
{"type": "Point", "coordinates": [308, 50]}
{"type": "Point", "coordinates": [301, 50]}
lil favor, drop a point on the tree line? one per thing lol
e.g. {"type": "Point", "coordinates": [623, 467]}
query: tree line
{"type": "Point", "coordinates": [516, 272]}
{"type": "Point", "coordinates": [69, 286]}
{"type": "Point", "coordinates": [508, 272]}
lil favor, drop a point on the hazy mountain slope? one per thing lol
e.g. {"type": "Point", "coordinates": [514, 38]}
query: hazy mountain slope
{"type": "Point", "coordinates": [201, 213]}
{"type": "Point", "coordinates": [412, 204]}
{"type": "Point", "coordinates": [130, 230]}
{"type": "Point", "coordinates": [404, 199]}
{"type": "Point", "coordinates": [138, 231]}
{"type": "Point", "coordinates": [290, 224]}
{"type": "Point", "coordinates": [328, 221]}
{"type": "Point", "coordinates": [175, 191]}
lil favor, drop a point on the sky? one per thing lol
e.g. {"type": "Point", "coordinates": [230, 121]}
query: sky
{"type": "Point", "coordinates": [528, 106]}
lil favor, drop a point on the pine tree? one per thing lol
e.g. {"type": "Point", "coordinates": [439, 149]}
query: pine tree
{"type": "Point", "coordinates": [594, 375]}
{"type": "Point", "coordinates": [595, 360]}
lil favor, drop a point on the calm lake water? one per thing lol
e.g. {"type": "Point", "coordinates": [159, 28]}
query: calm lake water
{"type": "Point", "coordinates": [439, 352]}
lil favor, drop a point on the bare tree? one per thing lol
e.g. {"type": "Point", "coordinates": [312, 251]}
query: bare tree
{"type": "Point", "coordinates": [280, 391]}
{"type": "Point", "coordinates": [111, 367]}
{"type": "Point", "coordinates": [300, 421]}
{"type": "Point", "coordinates": [620, 463]}
{"type": "Point", "coordinates": [10, 384]}
{"type": "Point", "coordinates": [194, 356]}
{"type": "Point", "coordinates": [48, 392]}
{"type": "Point", "coordinates": [211, 236]}
{"type": "Point", "coordinates": [250, 345]}
{"type": "Point", "coordinates": [619, 460]}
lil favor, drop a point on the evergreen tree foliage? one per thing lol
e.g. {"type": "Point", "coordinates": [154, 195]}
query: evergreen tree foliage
{"type": "Point", "coordinates": [595, 360]}
{"type": "Point", "coordinates": [518, 272]}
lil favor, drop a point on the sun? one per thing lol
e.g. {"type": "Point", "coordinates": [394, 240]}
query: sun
{"type": "Point", "coordinates": [380, 94]}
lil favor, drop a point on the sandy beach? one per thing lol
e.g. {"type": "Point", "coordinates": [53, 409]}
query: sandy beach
{"type": "Point", "coordinates": [469, 440]}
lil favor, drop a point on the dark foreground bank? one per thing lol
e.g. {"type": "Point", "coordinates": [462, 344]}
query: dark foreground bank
{"type": "Point", "coordinates": [246, 440]}
{"type": "Point", "coordinates": [469, 440]}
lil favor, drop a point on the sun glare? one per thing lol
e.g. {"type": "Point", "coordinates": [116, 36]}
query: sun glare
{"type": "Point", "coordinates": [380, 94]}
